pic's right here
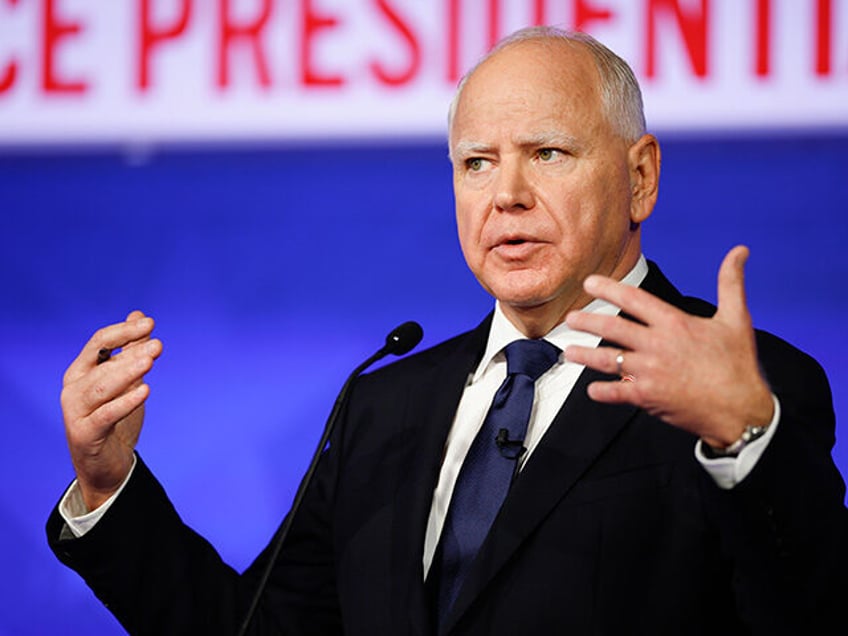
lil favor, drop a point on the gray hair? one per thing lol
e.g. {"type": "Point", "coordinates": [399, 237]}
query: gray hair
{"type": "Point", "coordinates": [620, 94]}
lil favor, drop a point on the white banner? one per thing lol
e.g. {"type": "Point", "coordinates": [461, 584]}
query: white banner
{"type": "Point", "coordinates": [154, 71]}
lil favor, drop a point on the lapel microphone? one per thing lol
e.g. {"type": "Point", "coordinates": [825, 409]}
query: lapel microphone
{"type": "Point", "coordinates": [509, 448]}
{"type": "Point", "coordinates": [402, 339]}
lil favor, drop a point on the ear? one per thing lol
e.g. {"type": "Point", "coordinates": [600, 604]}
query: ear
{"type": "Point", "coordinates": [644, 163]}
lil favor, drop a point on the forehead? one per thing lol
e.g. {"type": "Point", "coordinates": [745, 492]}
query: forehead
{"type": "Point", "coordinates": [532, 85]}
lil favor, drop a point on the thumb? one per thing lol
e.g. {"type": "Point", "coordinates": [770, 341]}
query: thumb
{"type": "Point", "coordinates": [732, 304]}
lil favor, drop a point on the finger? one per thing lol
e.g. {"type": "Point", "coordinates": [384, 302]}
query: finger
{"type": "Point", "coordinates": [138, 341]}
{"type": "Point", "coordinates": [119, 335]}
{"type": "Point", "coordinates": [117, 409]}
{"type": "Point", "coordinates": [604, 359]}
{"type": "Point", "coordinates": [91, 433]}
{"type": "Point", "coordinates": [111, 337]}
{"type": "Point", "coordinates": [105, 383]}
{"type": "Point", "coordinates": [105, 353]}
{"type": "Point", "coordinates": [152, 348]}
{"type": "Point", "coordinates": [614, 392]}
{"type": "Point", "coordinates": [732, 304]}
{"type": "Point", "coordinates": [133, 316]}
{"type": "Point", "coordinates": [632, 300]}
{"type": "Point", "coordinates": [616, 329]}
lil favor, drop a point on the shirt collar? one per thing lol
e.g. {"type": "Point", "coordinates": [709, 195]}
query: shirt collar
{"type": "Point", "coordinates": [502, 331]}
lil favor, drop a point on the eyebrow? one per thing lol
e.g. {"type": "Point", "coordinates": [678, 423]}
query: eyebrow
{"type": "Point", "coordinates": [468, 148]}
{"type": "Point", "coordinates": [464, 149]}
{"type": "Point", "coordinates": [550, 138]}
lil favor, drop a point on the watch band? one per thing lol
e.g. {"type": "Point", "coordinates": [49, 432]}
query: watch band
{"type": "Point", "coordinates": [750, 434]}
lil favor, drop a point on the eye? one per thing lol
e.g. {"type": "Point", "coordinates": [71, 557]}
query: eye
{"type": "Point", "coordinates": [549, 154]}
{"type": "Point", "coordinates": [475, 164]}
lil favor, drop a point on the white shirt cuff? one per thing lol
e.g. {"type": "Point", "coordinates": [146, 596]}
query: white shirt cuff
{"type": "Point", "coordinates": [77, 515]}
{"type": "Point", "coordinates": [729, 471]}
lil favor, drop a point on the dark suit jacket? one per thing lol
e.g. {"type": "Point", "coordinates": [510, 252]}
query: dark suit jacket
{"type": "Point", "coordinates": [612, 527]}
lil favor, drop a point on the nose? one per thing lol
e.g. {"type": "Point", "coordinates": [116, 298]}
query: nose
{"type": "Point", "coordinates": [512, 189]}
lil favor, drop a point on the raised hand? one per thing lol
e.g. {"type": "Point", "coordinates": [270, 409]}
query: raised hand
{"type": "Point", "coordinates": [103, 398]}
{"type": "Point", "coordinates": [699, 374]}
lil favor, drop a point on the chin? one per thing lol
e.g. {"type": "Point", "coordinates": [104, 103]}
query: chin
{"type": "Point", "coordinates": [522, 289]}
{"type": "Point", "coordinates": [523, 299]}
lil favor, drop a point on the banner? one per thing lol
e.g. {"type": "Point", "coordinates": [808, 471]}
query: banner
{"type": "Point", "coordinates": [125, 71]}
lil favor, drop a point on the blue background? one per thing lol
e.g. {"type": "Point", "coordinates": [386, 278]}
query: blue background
{"type": "Point", "coordinates": [273, 271]}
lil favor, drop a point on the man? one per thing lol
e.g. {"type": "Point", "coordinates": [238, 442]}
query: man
{"type": "Point", "coordinates": [674, 476]}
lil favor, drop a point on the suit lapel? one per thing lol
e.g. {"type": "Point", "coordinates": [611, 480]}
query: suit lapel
{"type": "Point", "coordinates": [432, 407]}
{"type": "Point", "coordinates": [579, 434]}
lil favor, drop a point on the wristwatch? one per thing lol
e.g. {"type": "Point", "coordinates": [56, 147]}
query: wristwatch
{"type": "Point", "coordinates": [750, 434]}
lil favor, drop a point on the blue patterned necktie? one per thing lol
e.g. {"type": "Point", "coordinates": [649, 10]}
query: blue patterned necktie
{"type": "Point", "coordinates": [488, 469]}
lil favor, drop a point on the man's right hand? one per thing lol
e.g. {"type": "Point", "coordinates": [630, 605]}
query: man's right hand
{"type": "Point", "coordinates": [103, 405]}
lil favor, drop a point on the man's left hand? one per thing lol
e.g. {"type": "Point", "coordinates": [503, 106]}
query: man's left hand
{"type": "Point", "coordinates": [699, 374]}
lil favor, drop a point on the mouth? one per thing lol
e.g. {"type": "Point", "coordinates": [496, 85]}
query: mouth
{"type": "Point", "coordinates": [509, 240]}
{"type": "Point", "coordinates": [516, 248]}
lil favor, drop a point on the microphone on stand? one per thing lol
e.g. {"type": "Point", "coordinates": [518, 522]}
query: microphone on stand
{"type": "Point", "coordinates": [401, 340]}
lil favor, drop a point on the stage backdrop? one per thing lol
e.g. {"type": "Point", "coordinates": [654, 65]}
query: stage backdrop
{"type": "Point", "coordinates": [269, 180]}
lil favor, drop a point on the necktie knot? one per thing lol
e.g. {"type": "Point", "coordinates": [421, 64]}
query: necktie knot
{"type": "Point", "coordinates": [530, 357]}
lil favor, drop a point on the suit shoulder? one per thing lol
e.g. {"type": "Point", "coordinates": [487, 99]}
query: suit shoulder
{"type": "Point", "coordinates": [774, 352]}
{"type": "Point", "coordinates": [788, 369]}
{"type": "Point", "coordinates": [413, 365]}
{"type": "Point", "coordinates": [434, 374]}
{"type": "Point", "coordinates": [449, 358]}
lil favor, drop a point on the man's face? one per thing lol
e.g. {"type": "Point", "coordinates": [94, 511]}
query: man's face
{"type": "Point", "coordinates": [542, 182]}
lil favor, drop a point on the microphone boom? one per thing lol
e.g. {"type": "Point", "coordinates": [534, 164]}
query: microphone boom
{"type": "Point", "coordinates": [400, 340]}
